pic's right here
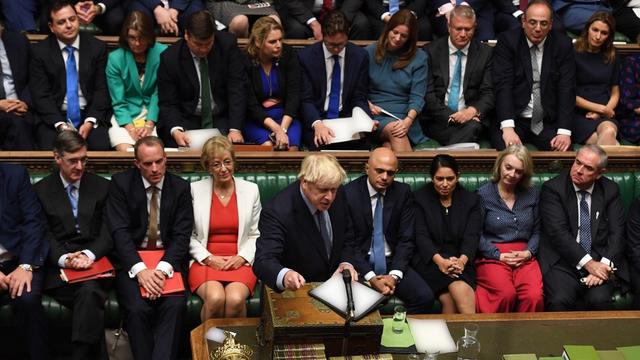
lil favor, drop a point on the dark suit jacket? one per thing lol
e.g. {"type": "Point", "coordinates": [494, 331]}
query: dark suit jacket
{"type": "Point", "coordinates": [49, 80]}
{"type": "Point", "coordinates": [290, 238]}
{"type": "Point", "coordinates": [61, 226]}
{"type": "Point", "coordinates": [21, 219]}
{"type": "Point", "coordinates": [633, 234]}
{"type": "Point", "coordinates": [288, 81]}
{"type": "Point", "coordinates": [174, 4]}
{"type": "Point", "coordinates": [466, 223]}
{"type": "Point", "coordinates": [559, 214]}
{"type": "Point", "coordinates": [398, 223]}
{"type": "Point", "coordinates": [477, 86]}
{"type": "Point", "coordinates": [179, 88]}
{"type": "Point", "coordinates": [355, 84]}
{"type": "Point", "coordinates": [513, 79]}
{"type": "Point", "coordinates": [301, 9]}
{"type": "Point", "coordinates": [128, 218]}
{"type": "Point", "coordinates": [18, 51]}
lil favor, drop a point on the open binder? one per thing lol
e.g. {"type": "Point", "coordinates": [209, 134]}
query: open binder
{"type": "Point", "coordinates": [333, 294]}
{"type": "Point", "coordinates": [101, 268]}
{"type": "Point", "coordinates": [173, 286]}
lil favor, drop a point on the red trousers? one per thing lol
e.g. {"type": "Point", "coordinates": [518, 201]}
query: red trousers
{"type": "Point", "coordinates": [502, 288]}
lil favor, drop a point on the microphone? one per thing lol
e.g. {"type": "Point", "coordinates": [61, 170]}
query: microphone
{"type": "Point", "coordinates": [346, 277]}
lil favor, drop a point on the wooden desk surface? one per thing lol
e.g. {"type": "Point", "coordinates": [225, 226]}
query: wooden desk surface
{"type": "Point", "coordinates": [541, 333]}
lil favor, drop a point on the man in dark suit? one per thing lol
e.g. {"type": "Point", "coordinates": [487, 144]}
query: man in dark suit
{"type": "Point", "coordinates": [108, 15]}
{"type": "Point", "coordinates": [583, 235]}
{"type": "Point", "coordinates": [68, 82]}
{"type": "Point", "coordinates": [150, 209]}
{"type": "Point", "coordinates": [23, 250]}
{"type": "Point", "coordinates": [203, 53]}
{"type": "Point", "coordinates": [381, 211]}
{"type": "Point", "coordinates": [318, 62]}
{"type": "Point", "coordinates": [302, 18]}
{"type": "Point", "coordinates": [633, 250]}
{"type": "Point", "coordinates": [305, 229]}
{"type": "Point", "coordinates": [74, 202]}
{"type": "Point", "coordinates": [16, 116]}
{"type": "Point", "coordinates": [21, 15]}
{"type": "Point", "coordinates": [459, 98]}
{"type": "Point", "coordinates": [534, 82]}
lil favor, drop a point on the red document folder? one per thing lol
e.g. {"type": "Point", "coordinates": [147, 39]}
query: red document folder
{"type": "Point", "coordinates": [172, 286]}
{"type": "Point", "coordinates": [98, 270]}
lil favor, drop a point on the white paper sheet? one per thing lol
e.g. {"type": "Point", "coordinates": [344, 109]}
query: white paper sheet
{"type": "Point", "coordinates": [431, 335]}
{"type": "Point", "coordinates": [347, 129]}
{"type": "Point", "coordinates": [333, 291]}
{"type": "Point", "coordinates": [198, 137]}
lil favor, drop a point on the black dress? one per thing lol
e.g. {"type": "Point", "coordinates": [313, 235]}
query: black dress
{"type": "Point", "coordinates": [594, 80]}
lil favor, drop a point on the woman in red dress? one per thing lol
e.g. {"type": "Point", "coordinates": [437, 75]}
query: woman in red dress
{"type": "Point", "coordinates": [226, 212]}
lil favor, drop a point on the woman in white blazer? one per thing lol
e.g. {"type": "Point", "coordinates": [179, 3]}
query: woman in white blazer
{"type": "Point", "coordinates": [226, 213]}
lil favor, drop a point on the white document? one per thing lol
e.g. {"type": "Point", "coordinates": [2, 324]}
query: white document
{"type": "Point", "coordinates": [198, 137]}
{"type": "Point", "coordinates": [431, 335]}
{"type": "Point", "coordinates": [333, 293]}
{"type": "Point", "coordinates": [347, 129]}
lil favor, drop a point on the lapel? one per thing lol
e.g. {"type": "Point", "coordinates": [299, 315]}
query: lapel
{"type": "Point", "coordinates": [139, 196]}
{"type": "Point", "coordinates": [166, 204]}
{"type": "Point", "coordinates": [366, 205]}
{"type": "Point", "coordinates": [3, 199]}
{"type": "Point", "coordinates": [84, 63]}
{"type": "Point", "coordinates": [203, 205]}
{"type": "Point", "coordinates": [15, 62]}
{"type": "Point", "coordinates": [58, 62]}
{"type": "Point", "coordinates": [130, 63]}
{"type": "Point", "coordinates": [318, 53]}
{"type": "Point", "coordinates": [525, 58]}
{"type": "Point", "coordinates": [243, 205]}
{"type": "Point", "coordinates": [211, 61]}
{"type": "Point", "coordinates": [389, 203]}
{"type": "Point", "coordinates": [470, 66]}
{"type": "Point", "coordinates": [546, 62]}
{"type": "Point", "coordinates": [349, 68]}
{"type": "Point", "coordinates": [308, 222]}
{"type": "Point", "coordinates": [60, 197]}
{"type": "Point", "coordinates": [572, 204]}
{"type": "Point", "coordinates": [86, 205]}
{"type": "Point", "coordinates": [443, 48]}
{"type": "Point", "coordinates": [597, 209]}
{"type": "Point", "coordinates": [188, 66]}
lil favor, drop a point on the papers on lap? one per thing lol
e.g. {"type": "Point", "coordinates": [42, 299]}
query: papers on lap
{"type": "Point", "coordinates": [99, 269]}
{"type": "Point", "coordinates": [348, 129]}
{"type": "Point", "coordinates": [333, 294]}
{"type": "Point", "coordinates": [173, 286]}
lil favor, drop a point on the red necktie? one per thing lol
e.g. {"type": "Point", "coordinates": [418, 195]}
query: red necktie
{"type": "Point", "coordinates": [523, 4]}
{"type": "Point", "coordinates": [327, 6]}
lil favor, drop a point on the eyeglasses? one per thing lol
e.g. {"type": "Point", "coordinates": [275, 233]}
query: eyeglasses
{"type": "Point", "coordinates": [73, 162]}
{"type": "Point", "coordinates": [217, 166]}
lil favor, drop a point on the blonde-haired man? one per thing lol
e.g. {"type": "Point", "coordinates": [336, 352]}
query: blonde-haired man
{"type": "Point", "coordinates": [305, 228]}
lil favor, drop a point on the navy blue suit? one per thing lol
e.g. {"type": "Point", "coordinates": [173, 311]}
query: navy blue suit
{"type": "Point", "coordinates": [355, 85]}
{"type": "Point", "coordinates": [22, 235]}
{"type": "Point", "coordinates": [398, 227]}
{"type": "Point", "coordinates": [152, 325]}
{"type": "Point", "coordinates": [289, 237]}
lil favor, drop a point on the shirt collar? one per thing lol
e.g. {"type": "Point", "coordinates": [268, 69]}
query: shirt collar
{"type": "Point", "coordinates": [65, 183]}
{"type": "Point", "coordinates": [453, 49]}
{"type": "Point", "coordinates": [373, 192]}
{"type": "Point", "coordinates": [147, 184]}
{"type": "Point", "coordinates": [312, 209]}
{"type": "Point", "coordinates": [76, 44]}
{"type": "Point", "coordinates": [589, 189]}
{"type": "Point", "coordinates": [328, 55]}
{"type": "Point", "coordinates": [540, 46]}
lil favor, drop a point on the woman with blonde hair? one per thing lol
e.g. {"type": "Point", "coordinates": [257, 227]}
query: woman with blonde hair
{"type": "Point", "coordinates": [226, 212]}
{"type": "Point", "coordinates": [508, 274]}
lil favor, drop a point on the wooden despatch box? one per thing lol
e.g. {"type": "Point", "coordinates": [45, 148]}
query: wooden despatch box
{"type": "Point", "coordinates": [294, 317]}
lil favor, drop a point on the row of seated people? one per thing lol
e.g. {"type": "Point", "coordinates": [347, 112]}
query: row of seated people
{"type": "Point", "coordinates": [301, 18]}
{"type": "Point", "coordinates": [508, 247]}
{"type": "Point", "coordinates": [457, 90]}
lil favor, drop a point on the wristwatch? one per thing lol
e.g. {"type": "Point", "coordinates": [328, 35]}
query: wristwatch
{"type": "Point", "coordinates": [26, 267]}
{"type": "Point", "coordinates": [398, 278]}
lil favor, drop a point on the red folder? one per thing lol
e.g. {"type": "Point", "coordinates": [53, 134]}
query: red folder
{"type": "Point", "coordinates": [98, 270]}
{"type": "Point", "coordinates": [173, 286]}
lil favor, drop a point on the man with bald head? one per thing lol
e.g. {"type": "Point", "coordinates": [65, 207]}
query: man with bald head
{"type": "Point", "coordinates": [382, 215]}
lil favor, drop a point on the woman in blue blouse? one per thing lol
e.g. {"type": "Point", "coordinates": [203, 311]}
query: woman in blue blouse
{"type": "Point", "coordinates": [131, 78]}
{"type": "Point", "coordinates": [398, 82]}
{"type": "Point", "coordinates": [508, 274]}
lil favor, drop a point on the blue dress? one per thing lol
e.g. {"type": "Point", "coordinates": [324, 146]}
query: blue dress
{"type": "Point", "coordinates": [257, 133]}
{"type": "Point", "coordinates": [399, 90]}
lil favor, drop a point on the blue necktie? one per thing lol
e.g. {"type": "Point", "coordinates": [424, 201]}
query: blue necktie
{"type": "Point", "coordinates": [394, 6]}
{"type": "Point", "coordinates": [585, 222]}
{"type": "Point", "coordinates": [377, 258]}
{"type": "Point", "coordinates": [454, 95]}
{"type": "Point", "coordinates": [333, 109]}
{"type": "Point", "coordinates": [73, 101]}
{"type": "Point", "coordinates": [73, 199]}
{"type": "Point", "coordinates": [324, 232]}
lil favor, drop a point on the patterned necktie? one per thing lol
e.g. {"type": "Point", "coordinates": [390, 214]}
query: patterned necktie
{"type": "Point", "coordinates": [333, 110]}
{"type": "Point", "coordinates": [394, 6]}
{"type": "Point", "coordinates": [152, 235]}
{"type": "Point", "coordinates": [585, 222]}
{"type": "Point", "coordinates": [537, 115]}
{"type": "Point", "coordinates": [205, 95]}
{"type": "Point", "coordinates": [73, 199]}
{"type": "Point", "coordinates": [324, 232]}
{"type": "Point", "coordinates": [377, 258]}
{"type": "Point", "coordinates": [73, 100]}
{"type": "Point", "coordinates": [454, 94]}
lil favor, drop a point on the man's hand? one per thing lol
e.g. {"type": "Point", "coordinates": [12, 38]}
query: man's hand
{"type": "Point", "coordinates": [596, 268]}
{"type": "Point", "coordinates": [591, 281]}
{"type": "Point", "coordinates": [164, 18]}
{"type": "Point", "coordinates": [344, 265]}
{"type": "Point", "coordinates": [293, 281]}
{"type": "Point", "coordinates": [85, 129]}
{"type": "Point", "coordinates": [465, 115]}
{"type": "Point", "coordinates": [233, 263]}
{"type": "Point", "coordinates": [4, 282]}
{"type": "Point", "coordinates": [385, 284]}
{"type": "Point", "coordinates": [152, 281]}
{"type": "Point", "coordinates": [78, 260]}
{"type": "Point", "coordinates": [235, 137]}
{"type": "Point", "coordinates": [317, 29]}
{"type": "Point", "coordinates": [561, 142]}
{"type": "Point", "coordinates": [181, 138]}
{"type": "Point", "coordinates": [510, 137]}
{"type": "Point", "coordinates": [86, 11]}
{"type": "Point", "coordinates": [322, 134]}
{"type": "Point", "coordinates": [10, 105]}
{"type": "Point", "coordinates": [18, 281]}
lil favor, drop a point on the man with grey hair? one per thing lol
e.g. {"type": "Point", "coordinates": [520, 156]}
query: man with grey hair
{"type": "Point", "coordinates": [459, 95]}
{"type": "Point", "coordinates": [583, 235]}
{"type": "Point", "coordinates": [305, 229]}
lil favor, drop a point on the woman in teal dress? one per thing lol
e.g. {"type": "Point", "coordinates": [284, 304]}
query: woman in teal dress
{"type": "Point", "coordinates": [398, 82]}
{"type": "Point", "coordinates": [131, 77]}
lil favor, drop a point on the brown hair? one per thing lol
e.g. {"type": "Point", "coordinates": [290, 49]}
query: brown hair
{"type": "Point", "coordinates": [261, 29]}
{"type": "Point", "coordinates": [408, 51]}
{"type": "Point", "coordinates": [607, 49]}
{"type": "Point", "coordinates": [335, 23]}
{"type": "Point", "coordinates": [201, 25]}
{"type": "Point", "coordinates": [68, 141]}
{"type": "Point", "coordinates": [141, 23]}
{"type": "Point", "coordinates": [147, 141]}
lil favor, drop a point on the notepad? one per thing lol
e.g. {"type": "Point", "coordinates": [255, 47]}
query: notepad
{"type": "Point", "coordinates": [333, 294]}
